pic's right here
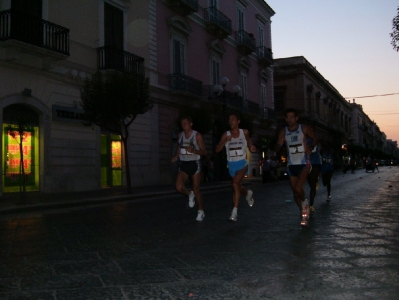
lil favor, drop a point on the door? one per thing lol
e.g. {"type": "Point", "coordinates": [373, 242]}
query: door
{"type": "Point", "coordinates": [111, 160]}
{"type": "Point", "coordinates": [26, 21]}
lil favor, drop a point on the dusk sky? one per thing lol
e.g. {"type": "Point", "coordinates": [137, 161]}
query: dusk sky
{"type": "Point", "coordinates": [348, 42]}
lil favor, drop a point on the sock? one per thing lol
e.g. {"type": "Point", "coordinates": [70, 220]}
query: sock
{"type": "Point", "coordinates": [234, 210]}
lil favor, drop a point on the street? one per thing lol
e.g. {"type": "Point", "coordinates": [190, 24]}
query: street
{"type": "Point", "coordinates": [154, 249]}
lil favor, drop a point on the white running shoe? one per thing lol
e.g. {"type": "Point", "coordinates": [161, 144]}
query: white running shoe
{"type": "Point", "coordinates": [328, 198]}
{"type": "Point", "coordinates": [249, 198]}
{"type": "Point", "coordinates": [233, 217]}
{"type": "Point", "coordinates": [191, 199]}
{"type": "Point", "coordinates": [200, 216]}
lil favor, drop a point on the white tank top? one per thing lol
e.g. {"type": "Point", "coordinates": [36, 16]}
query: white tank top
{"type": "Point", "coordinates": [295, 146]}
{"type": "Point", "coordinates": [185, 143]}
{"type": "Point", "coordinates": [236, 148]}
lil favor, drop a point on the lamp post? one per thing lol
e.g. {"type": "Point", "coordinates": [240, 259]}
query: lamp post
{"type": "Point", "coordinates": [219, 90]}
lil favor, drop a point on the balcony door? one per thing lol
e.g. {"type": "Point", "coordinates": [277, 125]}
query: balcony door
{"type": "Point", "coordinates": [26, 21]}
{"type": "Point", "coordinates": [113, 37]}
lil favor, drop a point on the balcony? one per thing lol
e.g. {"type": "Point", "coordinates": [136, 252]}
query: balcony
{"type": "Point", "coordinates": [265, 57]}
{"type": "Point", "coordinates": [267, 113]}
{"type": "Point", "coordinates": [183, 84]}
{"type": "Point", "coordinates": [185, 7]}
{"type": "Point", "coordinates": [217, 23]}
{"type": "Point", "coordinates": [110, 58]}
{"type": "Point", "coordinates": [23, 37]}
{"type": "Point", "coordinates": [245, 42]}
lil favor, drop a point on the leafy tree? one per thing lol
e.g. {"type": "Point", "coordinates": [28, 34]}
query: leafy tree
{"type": "Point", "coordinates": [395, 32]}
{"type": "Point", "coordinates": [113, 100]}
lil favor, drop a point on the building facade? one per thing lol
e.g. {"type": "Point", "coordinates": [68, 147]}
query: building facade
{"type": "Point", "coordinates": [299, 85]}
{"type": "Point", "coordinates": [185, 47]}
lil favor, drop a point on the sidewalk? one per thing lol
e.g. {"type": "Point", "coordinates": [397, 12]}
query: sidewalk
{"type": "Point", "coordinates": [11, 202]}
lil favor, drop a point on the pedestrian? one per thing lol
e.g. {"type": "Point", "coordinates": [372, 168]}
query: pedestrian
{"type": "Point", "coordinates": [313, 177]}
{"type": "Point", "coordinates": [298, 151]}
{"type": "Point", "coordinates": [189, 150]}
{"type": "Point", "coordinates": [211, 168]}
{"type": "Point", "coordinates": [273, 167]}
{"type": "Point", "coordinates": [265, 170]}
{"type": "Point", "coordinates": [236, 141]}
{"type": "Point", "coordinates": [205, 168]}
{"type": "Point", "coordinates": [327, 166]}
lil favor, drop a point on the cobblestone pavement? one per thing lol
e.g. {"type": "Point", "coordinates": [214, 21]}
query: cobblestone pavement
{"type": "Point", "coordinates": [154, 249]}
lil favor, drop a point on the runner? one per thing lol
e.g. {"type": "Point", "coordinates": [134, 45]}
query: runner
{"type": "Point", "coordinates": [189, 150]}
{"type": "Point", "coordinates": [294, 136]}
{"type": "Point", "coordinates": [236, 141]}
{"type": "Point", "coordinates": [313, 177]}
{"type": "Point", "coordinates": [327, 167]}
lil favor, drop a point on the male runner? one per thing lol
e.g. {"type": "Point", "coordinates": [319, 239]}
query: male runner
{"type": "Point", "coordinates": [294, 136]}
{"type": "Point", "coordinates": [189, 150]}
{"type": "Point", "coordinates": [236, 141]}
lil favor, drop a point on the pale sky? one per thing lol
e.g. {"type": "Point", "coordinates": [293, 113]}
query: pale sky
{"type": "Point", "coordinates": [348, 42]}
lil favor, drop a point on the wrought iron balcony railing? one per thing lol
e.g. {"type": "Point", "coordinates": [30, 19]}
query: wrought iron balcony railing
{"type": "Point", "coordinates": [218, 23]}
{"type": "Point", "coordinates": [265, 56]}
{"type": "Point", "coordinates": [245, 42]}
{"type": "Point", "coordinates": [110, 58]}
{"type": "Point", "coordinates": [267, 113]}
{"type": "Point", "coordinates": [15, 25]}
{"type": "Point", "coordinates": [185, 84]}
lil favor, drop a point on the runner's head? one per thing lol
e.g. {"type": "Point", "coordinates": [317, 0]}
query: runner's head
{"type": "Point", "coordinates": [291, 116]}
{"type": "Point", "coordinates": [186, 123]}
{"type": "Point", "coordinates": [234, 120]}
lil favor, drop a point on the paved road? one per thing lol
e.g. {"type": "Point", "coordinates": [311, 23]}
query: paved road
{"type": "Point", "coordinates": [153, 249]}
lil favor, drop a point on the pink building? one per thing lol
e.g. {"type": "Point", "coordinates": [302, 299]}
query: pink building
{"type": "Point", "coordinates": [198, 44]}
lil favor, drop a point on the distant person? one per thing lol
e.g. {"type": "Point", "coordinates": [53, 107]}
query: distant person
{"type": "Point", "coordinates": [189, 150]}
{"type": "Point", "coordinates": [265, 170]}
{"type": "Point", "coordinates": [294, 135]}
{"type": "Point", "coordinates": [236, 141]}
{"type": "Point", "coordinates": [313, 177]}
{"type": "Point", "coordinates": [327, 166]}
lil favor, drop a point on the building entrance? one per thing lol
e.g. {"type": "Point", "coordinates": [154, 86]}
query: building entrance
{"type": "Point", "coordinates": [20, 149]}
{"type": "Point", "coordinates": [111, 160]}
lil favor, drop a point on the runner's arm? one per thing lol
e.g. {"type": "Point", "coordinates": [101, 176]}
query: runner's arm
{"type": "Point", "coordinates": [174, 158]}
{"type": "Point", "coordinates": [280, 141]}
{"type": "Point", "coordinates": [200, 142]}
{"type": "Point", "coordinates": [250, 146]}
{"type": "Point", "coordinates": [222, 143]}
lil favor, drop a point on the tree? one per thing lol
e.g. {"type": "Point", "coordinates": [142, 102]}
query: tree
{"type": "Point", "coordinates": [395, 32]}
{"type": "Point", "coordinates": [113, 100]}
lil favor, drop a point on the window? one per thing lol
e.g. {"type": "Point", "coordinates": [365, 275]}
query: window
{"type": "Point", "coordinates": [244, 86]}
{"type": "Point", "coordinates": [179, 56]}
{"type": "Point", "coordinates": [279, 99]}
{"type": "Point", "coordinates": [113, 26]}
{"type": "Point", "coordinates": [213, 3]}
{"type": "Point", "coordinates": [263, 90]}
{"type": "Point", "coordinates": [261, 36]}
{"type": "Point", "coordinates": [240, 18]}
{"type": "Point", "coordinates": [215, 71]}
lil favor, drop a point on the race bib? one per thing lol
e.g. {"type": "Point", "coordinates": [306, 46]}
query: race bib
{"type": "Point", "coordinates": [326, 160]}
{"type": "Point", "coordinates": [296, 148]}
{"type": "Point", "coordinates": [183, 151]}
{"type": "Point", "coordinates": [238, 151]}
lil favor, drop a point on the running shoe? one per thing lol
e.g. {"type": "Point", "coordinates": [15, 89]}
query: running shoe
{"type": "Point", "coordinates": [304, 222]}
{"type": "Point", "coordinates": [200, 216]}
{"type": "Point", "coordinates": [249, 198]}
{"type": "Point", "coordinates": [305, 209]}
{"type": "Point", "coordinates": [233, 217]}
{"type": "Point", "coordinates": [191, 199]}
{"type": "Point", "coordinates": [312, 210]}
{"type": "Point", "coordinates": [328, 198]}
